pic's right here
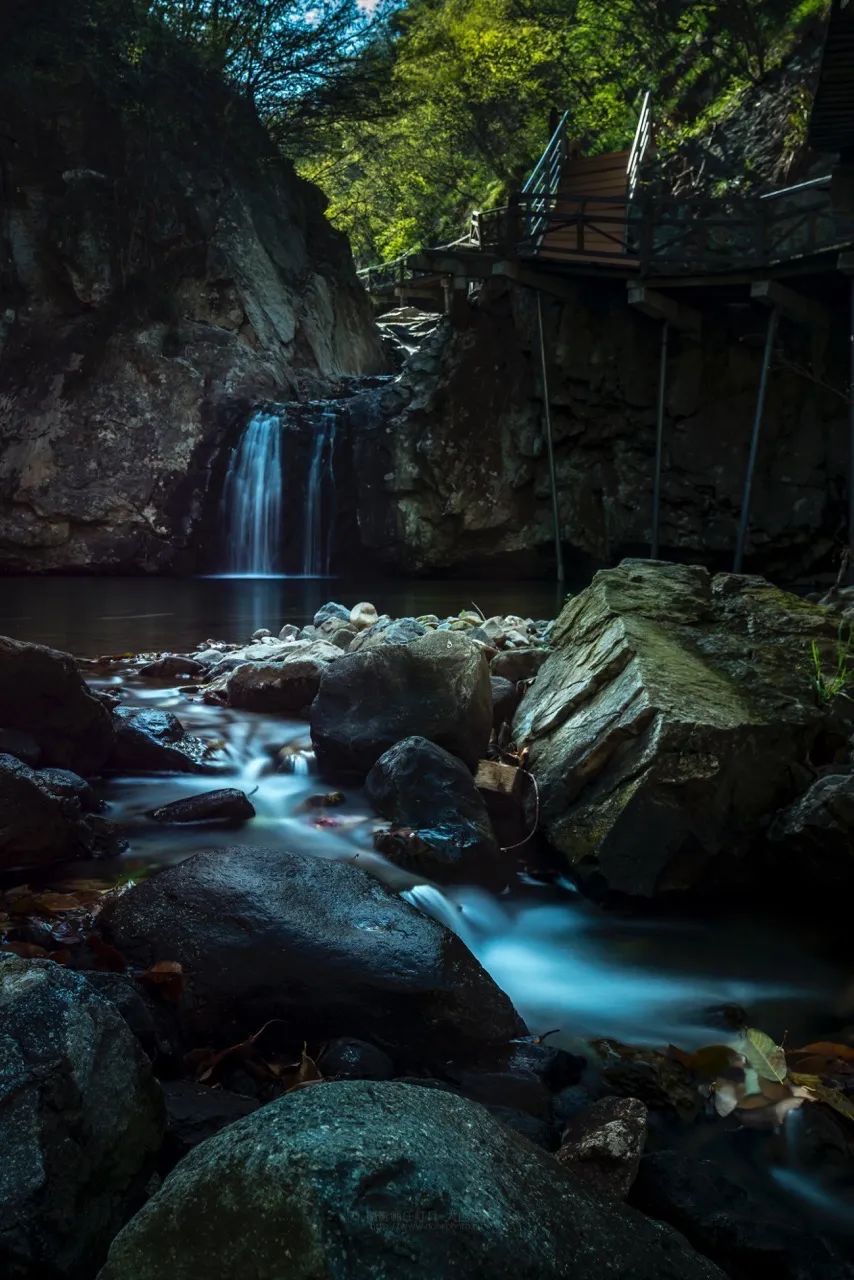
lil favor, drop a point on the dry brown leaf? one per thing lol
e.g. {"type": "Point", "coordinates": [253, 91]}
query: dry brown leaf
{"type": "Point", "coordinates": [167, 979]}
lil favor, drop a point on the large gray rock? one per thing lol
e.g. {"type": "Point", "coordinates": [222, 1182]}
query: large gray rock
{"type": "Point", "coordinates": [288, 684]}
{"type": "Point", "coordinates": [388, 631]}
{"type": "Point", "coordinates": [668, 721]}
{"type": "Point", "coordinates": [422, 787]}
{"type": "Point", "coordinates": [320, 944]}
{"type": "Point", "coordinates": [43, 693]}
{"type": "Point", "coordinates": [391, 1181]}
{"type": "Point", "coordinates": [81, 1119]}
{"type": "Point", "coordinates": [436, 687]}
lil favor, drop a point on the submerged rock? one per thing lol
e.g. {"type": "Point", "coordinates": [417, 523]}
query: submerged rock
{"type": "Point", "coordinates": [424, 788]}
{"type": "Point", "coordinates": [668, 723]}
{"type": "Point", "coordinates": [43, 694]}
{"type": "Point", "coordinates": [153, 742]}
{"type": "Point", "coordinates": [389, 1180]}
{"type": "Point", "coordinates": [81, 1120]}
{"type": "Point", "coordinates": [320, 944]}
{"type": "Point", "coordinates": [437, 687]}
{"type": "Point", "coordinates": [227, 804]}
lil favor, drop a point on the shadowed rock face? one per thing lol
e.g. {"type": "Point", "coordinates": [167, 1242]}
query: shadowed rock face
{"type": "Point", "coordinates": [461, 479]}
{"type": "Point", "coordinates": [673, 716]}
{"type": "Point", "coordinates": [81, 1120]}
{"type": "Point", "coordinates": [388, 1180]}
{"type": "Point", "coordinates": [163, 268]}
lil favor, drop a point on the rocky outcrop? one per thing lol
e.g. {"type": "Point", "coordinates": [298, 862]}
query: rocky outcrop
{"type": "Point", "coordinates": [319, 944]}
{"type": "Point", "coordinates": [674, 716]}
{"type": "Point", "coordinates": [454, 475]}
{"type": "Point", "coordinates": [390, 1180]}
{"type": "Point", "coordinates": [161, 268]}
{"type": "Point", "coordinates": [81, 1119]}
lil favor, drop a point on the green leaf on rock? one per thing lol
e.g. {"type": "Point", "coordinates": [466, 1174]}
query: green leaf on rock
{"type": "Point", "coordinates": [767, 1058]}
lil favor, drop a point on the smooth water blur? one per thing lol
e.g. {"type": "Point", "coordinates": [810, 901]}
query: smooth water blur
{"type": "Point", "coordinates": [566, 963]}
{"type": "Point", "coordinates": [92, 616]}
{"type": "Point", "coordinates": [319, 525]}
{"type": "Point", "coordinates": [253, 497]}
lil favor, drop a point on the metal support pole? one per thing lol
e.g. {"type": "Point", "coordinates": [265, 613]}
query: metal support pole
{"type": "Point", "coordinates": [851, 431]}
{"type": "Point", "coordinates": [770, 334]}
{"type": "Point", "coordinates": [659, 441]}
{"type": "Point", "coordinates": [549, 443]}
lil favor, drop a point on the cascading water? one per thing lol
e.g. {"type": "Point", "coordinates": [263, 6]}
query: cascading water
{"type": "Point", "coordinates": [320, 497]}
{"type": "Point", "coordinates": [253, 498]}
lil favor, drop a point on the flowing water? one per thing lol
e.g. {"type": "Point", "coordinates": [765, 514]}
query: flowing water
{"type": "Point", "coordinates": [253, 498]}
{"type": "Point", "coordinates": [569, 966]}
{"type": "Point", "coordinates": [320, 498]}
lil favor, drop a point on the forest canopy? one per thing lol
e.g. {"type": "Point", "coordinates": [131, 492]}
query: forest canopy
{"type": "Point", "coordinates": [410, 114]}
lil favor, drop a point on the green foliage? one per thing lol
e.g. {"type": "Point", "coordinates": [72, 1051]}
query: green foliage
{"type": "Point", "coordinates": [470, 87]}
{"type": "Point", "coordinates": [834, 681]}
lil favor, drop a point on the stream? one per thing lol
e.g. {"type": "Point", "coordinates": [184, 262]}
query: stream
{"type": "Point", "coordinates": [570, 967]}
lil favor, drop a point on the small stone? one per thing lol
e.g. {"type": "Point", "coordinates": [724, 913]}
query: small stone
{"type": "Point", "coordinates": [331, 610]}
{"type": "Point", "coordinates": [518, 664]}
{"type": "Point", "coordinates": [173, 666]}
{"type": "Point", "coordinates": [363, 615]}
{"type": "Point", "coordinates": [343, 638]}
{"type": "Point", "coordinates": [289, 632]}
{"type": "Point", "coordinates": [261, 634]}
{"type": "Point", "coordinates": [469, 617]}
{"type": "Point", "coordinates": [603, 1144]}
{"type": "Point", "coordinates": [325, 799]}
{"type": "Point", "coordinates": [227, 804]}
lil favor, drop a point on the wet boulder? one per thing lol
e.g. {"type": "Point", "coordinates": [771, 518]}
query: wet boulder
{"type": "Point", "coordinates": [432, 794]}
{"type": "Point", "coordinates": [35, 830]}
{"type": "Point", "coordinates": [603, 1144]}
{"type": "Point", "coordinates": [195, 1112]}
{"type": "Point", "coordinates": [359, 1178]}
{"type": "Point", "coordinates": [173, 666]}
{"type": "Point", "coordinates": [81, 1120]}
{"type": "Point", "coordinates": [153, 742]}
{"type": "Point", "coordinates": [436, 687]}
{"type": "Point", "coordinates": [669, 722]}
{"type": "Point", "coordinates": [43, 694]}
{"type": "Point", "coordinates": [287, 685]}
{"type": "Point", "coordinates": [226, 804]}
{"type": "Point", "coordinates": [74, 791]}
{"type": "Point", "coordinates": [319, 944]}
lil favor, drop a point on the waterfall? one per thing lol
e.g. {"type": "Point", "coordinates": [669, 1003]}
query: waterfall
{"type": "Point", "coordinates": [319, 498]}
{"type": "Point", "coordinates": [252, 498]}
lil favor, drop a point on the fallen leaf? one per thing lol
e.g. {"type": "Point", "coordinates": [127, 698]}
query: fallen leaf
{"type": "Point", "coordinates": [727, 1097]}
{"type": "Point", "coordinates": [109, 957]}
{"type": "Point", "coordinates": [825, 1049]}
{"type": "Point", "coordinates": [167, 978]}
{"type": "Point", "coordinates": [827, 1094]}
{"type": "Point", "coordinates": [766, 1057]}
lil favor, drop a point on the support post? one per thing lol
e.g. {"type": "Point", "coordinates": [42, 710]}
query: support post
{"type": "Point", "coordinates": [659, 441]}
{"type": "Point", "coordinates": [744, 522]}
{"type": "Point", "coordinates": [549, 443]}
{"type": "Point", "coordinates": [851, 427]}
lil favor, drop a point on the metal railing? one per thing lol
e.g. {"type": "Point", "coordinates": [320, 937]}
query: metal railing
{"type": "Point", "coordinates": [643, 134]}
{"type": "Point", "coordinates": [538, 191]}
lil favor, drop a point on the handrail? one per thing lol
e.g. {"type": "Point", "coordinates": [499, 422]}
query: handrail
{"type": "Point", "coordinates": [639, 144]}
{"type": "Point", "coordinates": [554, 141]}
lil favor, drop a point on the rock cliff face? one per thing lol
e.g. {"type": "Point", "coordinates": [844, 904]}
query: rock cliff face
{"type": "Point", "coordinates": [160, 269]}
{"type": "Point", "coordinates": [459, 479]}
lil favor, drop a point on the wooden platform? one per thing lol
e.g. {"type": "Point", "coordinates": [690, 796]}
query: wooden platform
{"type": "Point", "coordinates": [589, 217]}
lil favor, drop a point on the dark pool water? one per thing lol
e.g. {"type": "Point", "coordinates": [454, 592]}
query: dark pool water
{"type": "Point", "coordinates": [91, 616]}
